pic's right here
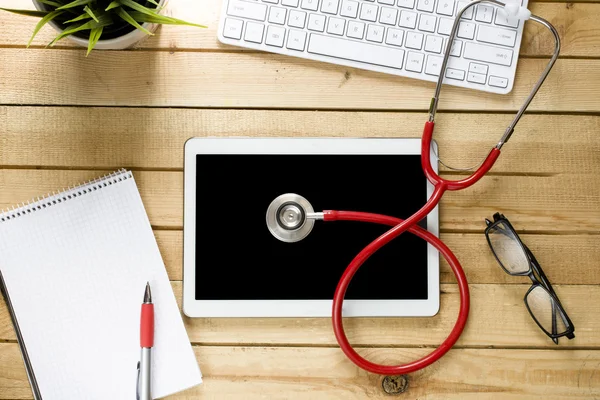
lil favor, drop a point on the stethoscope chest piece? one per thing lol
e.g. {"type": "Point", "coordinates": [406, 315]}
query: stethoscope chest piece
{"type": "Point", "coordinates": [287, 218]}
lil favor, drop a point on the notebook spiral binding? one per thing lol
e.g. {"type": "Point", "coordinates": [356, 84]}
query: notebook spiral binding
{"type": "Point", "coordinates": [40, 203]}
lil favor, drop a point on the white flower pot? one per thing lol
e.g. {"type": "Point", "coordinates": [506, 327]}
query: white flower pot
{"type": "Point", "coordinates": [118, 43]}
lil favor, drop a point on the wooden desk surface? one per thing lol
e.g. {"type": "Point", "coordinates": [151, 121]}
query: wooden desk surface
{"type": "Point", "coordinates": [65, 118]}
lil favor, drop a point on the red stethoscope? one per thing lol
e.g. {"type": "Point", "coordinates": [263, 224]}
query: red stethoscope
{"type": "Point", "coordinates": [291, 218]}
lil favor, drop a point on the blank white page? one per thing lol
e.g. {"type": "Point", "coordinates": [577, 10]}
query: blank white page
{"type": "Point", "coordinates": [75, 270]}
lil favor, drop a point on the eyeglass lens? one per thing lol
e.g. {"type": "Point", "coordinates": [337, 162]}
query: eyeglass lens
{"type": "Point", "coordinates": [545, 311]}
{"type": "Point", "coordinates": [508, 249]}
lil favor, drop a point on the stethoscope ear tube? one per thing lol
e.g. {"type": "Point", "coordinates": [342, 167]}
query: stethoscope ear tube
{"type": "Point", "coordinates": [518, 12]}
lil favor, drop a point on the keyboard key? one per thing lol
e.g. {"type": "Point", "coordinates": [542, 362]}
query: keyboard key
{"type": "Point", "coordinates": [296, 40]}
{"type": "Point", "coordinates": [394, 37]}
{"type": "Point", "coordinates": [271, 1]}
{"type": "Point", "coordinates": [478, 68]}
{"type": "Point", "coordinates": [330, 6]}
{"type": "Point", "coordinates": [297, 19]}
{"type": "Point", "coordinates": [433, 44]}
{"type": "Point", "coordinates": [445, 26]}
{"type": "Point", "coordinates": [414, 40]}
{"type": "Point", "coordinates": [476, 78]}
{"type": "Point", "coordinates": [233, 28]}
{"type": "Point", "coordinates": [349, 9]}
{"type": "Point", "coordinates": [484, 14]}
{"type": "Point", "coordinates": [504, 37]}
{"type": "Point", "coordinates": [504, 20]}
{"type": "Point", "coordinates": [427, 23]}
{"type": "Point", "coordinates": [388, 16]}
{"type": "Point", "coordinates": [316, 22]}
{"type": "Point", "coordinates": [375, 33]}
{"type": "Point", "coordinates": [356, 29]}
{"type": "Point", "coordinates": [434, 65]}
{"type": "Point", "coordinates": [289, 3]}
{"type": "Point", "coordinates": [425, 5]}
{"type": "Point", "coordinates": [498, 82]}
{"type": "Point", "coordinates": [466, 30]}
{"type": "Point", "coordinates": [489, 54]}
{"type": "Point", "coordinates": [312, 5]}
{"type": "Point", "coordinates": [457, 74]}
{"type": "Point", "coordinates": [414, 62]}
{"type": "Point", "coordinates": [368, 12]}
{"type": "Point", "coordinates": [358, 51]}
{"type": "Point", "coordinates": [245, 9]}
{"type": "Point", "coordinates": [408, 19]}
{"type": "Point", "coordinates": [275, 36]}
{"type": "Point", "coordinates": [277, 15]}
{"type": "Point", "coordinates": [387, 2]}
{"type": "Point", "coordinates": [456, 48]}
{"type": "Point", "coordinates": [254, 32]}
{"type": "Point", "coordinates": [406, 4]}
{"type": "Point", "coordinates": [445, 7]}
{"type": "Point", "coordinates": [468, 12]}
{"type": "Point", "coordinates": [336, 26]}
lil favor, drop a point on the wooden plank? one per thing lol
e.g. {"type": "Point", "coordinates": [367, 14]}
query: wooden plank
{"type": "Point", "coordinates": [557, 203]}
{"type": "Point", "coordinates": [154, 138]}
{"type": "Point", "coordinates": [554, 252]}
{"type": "Point", "coordinates": [566, 259]}
{"type": "Point", "coordinates": [196, 80]}
{"type": "Point", "coordinates": [317, 373]}
{"type": "Point", "coordinates": [498, 318]}
{"type": "Point", "coordinates": [577, 24]}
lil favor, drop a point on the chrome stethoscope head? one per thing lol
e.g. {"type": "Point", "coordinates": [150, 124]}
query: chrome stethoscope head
{"type": "Point", "coordinates": [290, 217]}
{"type": "Point", "coordinates": [515, 11]}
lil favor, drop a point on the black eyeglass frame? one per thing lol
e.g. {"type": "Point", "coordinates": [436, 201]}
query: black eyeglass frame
{"type": "Point", "coordinates": [534, 268]}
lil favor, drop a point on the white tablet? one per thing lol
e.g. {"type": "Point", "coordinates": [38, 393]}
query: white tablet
{"type": "Point", "coordinates": [235, 267]}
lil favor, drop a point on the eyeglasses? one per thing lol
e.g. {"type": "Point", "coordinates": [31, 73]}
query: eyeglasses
{"type": "Point", "coordinates": [517, 260]}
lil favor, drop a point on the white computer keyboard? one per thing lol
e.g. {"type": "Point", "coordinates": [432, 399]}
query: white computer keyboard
{"type": "Point", "coordinates": [399, 37]}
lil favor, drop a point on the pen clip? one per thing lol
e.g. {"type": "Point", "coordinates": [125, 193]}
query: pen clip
{"type": "Point", "coordinates": [137, 389]}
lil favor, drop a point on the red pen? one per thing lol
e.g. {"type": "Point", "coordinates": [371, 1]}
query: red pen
{"type": "Point", "coordinates": [146, 343]}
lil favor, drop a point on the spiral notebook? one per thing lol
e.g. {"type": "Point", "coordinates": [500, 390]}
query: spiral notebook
{"type": "Point", "coordinates": [74, 266]}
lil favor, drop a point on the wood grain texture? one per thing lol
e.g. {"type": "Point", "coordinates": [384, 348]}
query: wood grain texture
{"type": "Point", "coordinates": [566, 259]}
{"type": "Point", "coordinates": [556, 203]}
{"type": "Point", "coordinates": [577, 24]}
{"type": "Point", "coordinates": [109, 138]}
{"type": "Point", "coordinates": [546, 182]}
{"type": "Point", "coordinates": [498, 318]}
{"type": "Point", "coordinates": [318, 373]}
{"type": "Point", "coordinates": [267, 80]}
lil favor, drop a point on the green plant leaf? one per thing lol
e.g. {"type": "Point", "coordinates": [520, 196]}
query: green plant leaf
{"type": "Point", "coordinates": [89, 11]}
{"type": "Point", "coordinates": [76, 19]}
{"type": "Point", "coordinates": [75, 3]}
{"type": "Point", "coordinates": [47, 18]}
{"type": "Point", "coordinates": [105, 20]}
{"type": "Point", "coordinates": [153, 2]}
{"type": "Point", "coordinates": [128, 18]}
{"type": "Point", "coordinates": [161, 19]}
{"type": "Point", "coordinates": [112, 5]}
{"type": "Point", "coordinates": [94, 37]}
{"type": "Point", "coordinates": [29, 13]}
{"type": "Point", "coordinates": [137, 7]}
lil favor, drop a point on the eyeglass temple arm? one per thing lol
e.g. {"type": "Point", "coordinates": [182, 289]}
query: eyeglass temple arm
{"type": "Point", "coordinates": [566, 320]}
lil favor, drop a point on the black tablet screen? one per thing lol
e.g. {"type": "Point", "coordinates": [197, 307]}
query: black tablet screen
{"type": "Point", "coordinates": [237, 258]}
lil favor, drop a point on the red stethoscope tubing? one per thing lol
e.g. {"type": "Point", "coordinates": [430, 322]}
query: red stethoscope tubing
{"type": "Point", "coordinates": [399, 227]}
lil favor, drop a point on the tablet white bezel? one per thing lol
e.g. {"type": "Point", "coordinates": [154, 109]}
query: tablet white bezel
{"type": "Point", "coordinates": [299, 308]}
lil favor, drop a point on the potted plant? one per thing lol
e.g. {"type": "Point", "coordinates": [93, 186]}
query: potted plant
{"type": "Point", "coordinates": [100, 24]}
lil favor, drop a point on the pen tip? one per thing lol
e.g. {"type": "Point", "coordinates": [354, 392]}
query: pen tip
{"type": "Point", "coordinates": [147, 294]}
